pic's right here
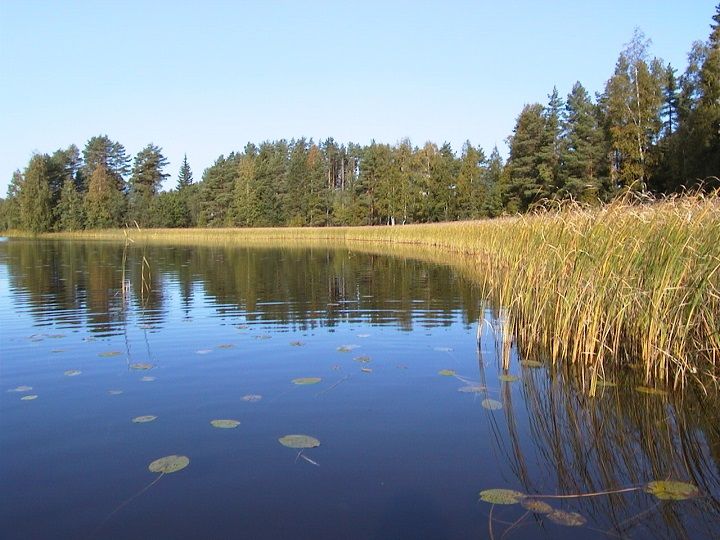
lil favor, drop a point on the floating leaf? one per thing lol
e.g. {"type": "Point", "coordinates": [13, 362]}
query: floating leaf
{"type": "Point", "coordinates": [109, 354]}
{"type": "Point", "coordinates": [508, 378]}
{"type": "Point", "coordinates": [531, 363]}
{"type": "Point", "coordinates": [141, 366]}
{"type": "Point", "coordinates": [225, 424]}
{"type": "Point", "coordinates": [56, 351]}
{"type": "Point", "coordinates": [604, 383]}
{"type": "Point", "coordinates": [443, 349]}
{"type": "Point", "coordinates": [362, 359]}
{"type": "Point", "coordinates": [366, 370]}
{"type": "Point", "coordinates": [569, 519]}
{"type": "Point", "coordinates": [203, 351]}
{"type": "Point", "coordinates": [306, 380]}
{"type": "Point", "coordinates": [226, 346]}
{"type": "Point", "coordinates": [252, 397]}
{"type": "Point", "coordinates": [651, 391]}
{"type": "Point", "coordinates": [534, 505]}
{"type": "Point", "coordinates": [169, 464]}
{"type": "Point", "coordinates": [347, 348]}
{"type": "Point", "coordinates": [72, 373]}
{"type": "Point", "coordinates": [297, 343]}
{"type": "Point", "coordinates": [29, 397]}
{"type": "Point", "coordinates": [491, 404]}
{"type": "Point", "coordinates": [446, 372]}
{"type": "Point", "coordinates": [501, 496]}
{"type": "Point", "coordinates": [299, 441]}
{"type": "Point", "coordinates": [672, 490]}
{"type": "Point", "coordinates": [147, 378]}
{"type": "Point", "coordinates": [143, 419]}
{"type": "Point", "coordinates": [472, 389]}
{"type": "Point", "coordinates": [115, 392]}
{"type": "Point", "coordinates": [21, 388]}
{"type": "Point", "coordinates": [263, 336]}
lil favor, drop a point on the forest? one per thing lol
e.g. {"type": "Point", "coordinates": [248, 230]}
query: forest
{"type": "Point", "coordinates": [650, 130]}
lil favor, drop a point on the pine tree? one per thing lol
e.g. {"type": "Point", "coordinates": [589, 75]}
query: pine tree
{"type": "Point", "coordinates": [470, 189]}
{"type": "Point", "coordinates": [146, 182]}
{"type": "Point", "coordinates": [100, 151]}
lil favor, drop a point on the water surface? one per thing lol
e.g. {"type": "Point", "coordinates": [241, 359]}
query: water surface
{"type": "Point", "coordinates": [404, 453]}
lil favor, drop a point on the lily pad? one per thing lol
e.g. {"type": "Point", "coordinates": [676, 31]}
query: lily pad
{"type": "Point", "coordinates": [446, 372]}
{"type": "Point", "coordinates": [169, 464]}
{"type": "Point", "coordinates": [252, 397]}
{"type": "Point", "coordinates": [144, 419]}
{"type": "Point", "coordinates": [491, 404]}
{"type": "Point", "coordinates": [604, 383]}
{"type": "Point", "coordinates": [534, 505]}
{"type": "Point", "coordinates": [141, 366]}
{"type": "Point", "coordinates": [472, 389]}
{"type": "Point", "coordinates": [531, 364]}
{"type": "Point", "coordinates": [21, 388]}
{"type": "Point", "coordinates": [147, 378]}
{"type": "Point", "coordinates": [362, 359]}
{"type": "Point", "coordinates": [263, 336]}
{"type": "Point", "coordinates": [225, 423]}
{"type": "Point", "coordinates": [226, 346]}
{"type": "Point", "coordinates": [672, 490]}
{"type": "Point", "coordinates": [296, 343]}
{"type": "Point", "coordinates": [366, 370]}
{"type": "Point", "coordinates": [299, 441]}
{"type": "Point", "coordinates": [347, 348]}
{"type": "Point", "coordinates": [651, 391]}
{"type": "Point", "coordinates": [109, 354]}
{"type": "Point", "coordinates": [306, 380]}
{"type": "Point", "coordinates": [569, 519]}
{"type": "Point", "coordinates": [72, 373]}
{"type": "Point", "coordinates": [508, 378]}
{"type": "Point", "coordinates": [203, 351]}
{"type": "Point", "coordinates": [29, 397]}
{"type": "Point", "coordinates": [501, 496]}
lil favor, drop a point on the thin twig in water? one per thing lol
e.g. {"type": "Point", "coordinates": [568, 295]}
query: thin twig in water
{"type": "Point", "coordinates": [125, 503]}
{"type": "Point", "coordinates": [345, 378]}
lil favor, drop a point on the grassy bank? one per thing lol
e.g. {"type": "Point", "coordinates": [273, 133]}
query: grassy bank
{"type": "Point", "coordinates": [626, 285]}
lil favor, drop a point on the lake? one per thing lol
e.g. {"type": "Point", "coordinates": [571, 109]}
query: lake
{"type": "Point", "coordinates": [112, 358]}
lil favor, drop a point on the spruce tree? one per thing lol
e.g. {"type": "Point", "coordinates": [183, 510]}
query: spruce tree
{"type": "Point", "coordinates": [185, 176]}
{"type": "Point", "coordinates": [36, 195]}
{"type": "Point", "coordinates": [525, 185]}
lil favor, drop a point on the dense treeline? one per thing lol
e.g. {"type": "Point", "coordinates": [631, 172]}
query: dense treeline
{"type": "Point", "coordinates": [648, 130]}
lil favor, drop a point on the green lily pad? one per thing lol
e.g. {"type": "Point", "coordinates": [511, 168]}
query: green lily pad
{"type": "Point", "coordinates": [21, 388]}
{"type": "Point", "coordinates": [252, 397]}
{"type": "Point", "coordinates": [569, 519]}
{"type": "Point", "coordinates": [169, 464]}
{"type": "Point", "coordinates": [109, 354]}
{"type": "Point", "coordinates": [604, 383]}
{"type": "Point", "coordinates": [472, 389]}
{"type": "Point", "coordinates": [306, 380]}
{"type": "Point", "coordinates": [536, 506]}
{"type": "Point", "coordinates": [29, 397]}
{"type": "Point", "coordinates": [225, 424]}
{"type": "Point", "coordinates": [299, 441]}
{"type": "Point", "coordinates": [346, 348]}
{"type": "Point", "coordinates": [531, 364]}
{"type": "Point", "coordinates": [508, 378]}
{"type": "Point", "coordinates": [226, 346]}
{"type": "Point", "coordinates": [501, 496]}
{"type": "Point", "coordinates": [141, 366]}
{"type": "Point", "coordinates": [491, 404]}
{"type": "Point", "coordinates": [143, 419]}
{"type": "Point", "coordinates": [72, 373]}
{"type": "Point", "coordinates": [672, 490]}
{"type": "Point", "coordinates": [651, 391]}
{"type": "Point", "coordinates": [296, 343]}
{"type": "Point", "coordinates": [362, 359]}
{"type": "Point", "coordinates": [446, 372]}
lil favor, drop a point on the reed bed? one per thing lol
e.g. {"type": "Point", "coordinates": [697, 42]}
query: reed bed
{"type": "Point", "coordinates": [634, 284]}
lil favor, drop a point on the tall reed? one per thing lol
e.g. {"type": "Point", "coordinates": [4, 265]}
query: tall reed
{"type": "Point", "coordinates": [634, 283]}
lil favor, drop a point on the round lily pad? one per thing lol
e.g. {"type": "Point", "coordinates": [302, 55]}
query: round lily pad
{"type": "Point", "coordinates": [534, 505]}
{"type": "Point", "coordinates": [366, 370]}
{"type": "Point", "coordinates": [492, 404]}
{"type": "Point", "coordinates": [531, 363]}
{"type": "Point", "coordinates": [471, 389]}
{"type": "Point", "coordinates": [169, 464]}
{"type": "Point", "coordinates": [299, 441]}
{"type": "Point", "coordinates": [141, 366]}
{"type": "Point", "coordinates": [72, 373]}
{"type": "Point", "coordinates": [109, 354]}
{"type": "Point", "coordinates": [21, 388]}
{"type": "Point", "coordinates": [143, 419]}
{"type": "Point", "coordinates": [296, 344]}
{"type": "Point", "coordinates": [226, 346]}
{"type": "Point", "coordinates": [346, 348]}
{"type": "Point", "coordinates": [604, 383]}
{"type": "Point", "coordinates": [306, 380]}
{"type": "Point", "coordinates": [29, 397]}
{"type": "Point", "coordinates": [252, 397]}
{"type": "Point", "coordinates": [672, 490]}
{"type": "Point", "coordinates": [651, 391]}
{"type": "Point", "coordinates": [225, 423]}
{"type": "Point", "coordinates": [569, 519]}
{"type": "Point", "coordinates": [446, 372]}
{"type": "Point", "coordinates": [501, 496]}
{"type": "Point", "coordinates": [508, 378]}
{"type": "Point", "coordinates": [362, 359]}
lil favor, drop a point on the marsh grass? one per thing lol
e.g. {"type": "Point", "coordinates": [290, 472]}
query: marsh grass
{"type": "Point", "coordinates": [632, 283]}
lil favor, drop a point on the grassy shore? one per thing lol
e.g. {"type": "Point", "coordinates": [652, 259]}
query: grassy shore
{"type": "Point", "coordinates": [626, 285]}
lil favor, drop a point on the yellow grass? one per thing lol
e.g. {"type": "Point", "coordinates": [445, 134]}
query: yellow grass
{"type": "Point", "coordinates": [623, 285]}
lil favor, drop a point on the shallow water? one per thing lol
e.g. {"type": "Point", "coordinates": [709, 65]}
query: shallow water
{"type": "Point", "coordinates": [403, 453]}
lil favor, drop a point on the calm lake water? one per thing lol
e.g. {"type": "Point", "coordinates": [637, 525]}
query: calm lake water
{"type": "Point", "coordinates": [412, 417]}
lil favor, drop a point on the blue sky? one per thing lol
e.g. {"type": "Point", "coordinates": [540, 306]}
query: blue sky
{"type": "Point", "coordinates": [204, 78]}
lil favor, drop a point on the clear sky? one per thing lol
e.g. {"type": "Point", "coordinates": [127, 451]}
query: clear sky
{"type": "Point", "coordinates": [206, 77]}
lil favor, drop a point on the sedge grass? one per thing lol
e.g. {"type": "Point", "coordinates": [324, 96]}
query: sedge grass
{"type": "Point", "coordinates": [596, 288]}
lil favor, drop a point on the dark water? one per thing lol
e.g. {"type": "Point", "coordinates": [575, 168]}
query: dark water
{"type": "Point", "coordinates": [403, 453]}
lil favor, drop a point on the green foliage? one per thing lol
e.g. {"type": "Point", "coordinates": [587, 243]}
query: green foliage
{"type": "Point", "coordinates": [35, 196]}
{"type": "Point", "coordinates": [70, 210]}
{"type": "Point", "coordinates": [105, 204]}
